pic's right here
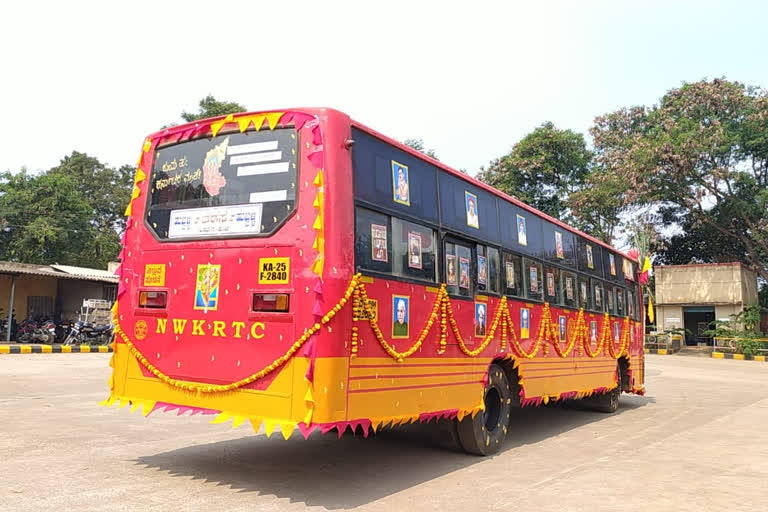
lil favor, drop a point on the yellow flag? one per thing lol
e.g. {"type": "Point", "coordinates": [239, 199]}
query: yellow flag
{"type": "Point", "coordinates": [646, 265]}
{"type": "Point", "coordinates": [650, 309]}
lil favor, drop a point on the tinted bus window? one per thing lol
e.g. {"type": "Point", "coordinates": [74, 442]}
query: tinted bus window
{"type": "Point", "coordinates": [520, 230]}
{"type": "Point", "coordinates": [558, 245]}
{"type": "Point", "coordinates": [612, 270]}
{"type": "Point", "coordinates": [598, 296]}
{"type": "Point", "coordinates": [533, 279]}
{"type": "Point", "coordinates": [584, 301]}
{"type": "Point", "coordinates": [393, 179]}
{"type": "Point", "coordinates": [620, 311]}
{"type": "Point", "coordinates": [458, 269]}
{"type": "Point", "coordinates": [610, 296]}
{"type": "Point", "coordinates": [373, 241]}
{"type": "Point", "coordinates": [552, 293]}
{"type": "Point", "coordinates": [568, 285]}
{"type": "Point", "coordinates": [468, 209]}
{"type": "Point", "coordinates": [589, 256]}
{"type": "Point", "coordinates": [513, 275]}
{"type": "Point", "coordinates": [413, 249]}
{"type": "Point", "coordinates": [493, 270]}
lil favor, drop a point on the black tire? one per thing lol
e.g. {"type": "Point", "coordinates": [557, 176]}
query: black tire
{"type": "Point", "coordinates": [608, 402]}
{"type": "Point", "coordinates": [484, 434]}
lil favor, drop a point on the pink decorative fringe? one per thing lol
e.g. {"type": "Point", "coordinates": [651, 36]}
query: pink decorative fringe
{"type": "Point", "coordinates": [316, 158]}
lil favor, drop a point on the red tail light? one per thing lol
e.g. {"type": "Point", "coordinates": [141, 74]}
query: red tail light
{"type": "Point", "coordinates": [275, 302]}
{"type": "Point", "coordinates": [149, 299]}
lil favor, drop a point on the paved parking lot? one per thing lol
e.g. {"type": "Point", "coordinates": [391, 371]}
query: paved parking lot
{"type": "Point", "coordinates": [697, 441]}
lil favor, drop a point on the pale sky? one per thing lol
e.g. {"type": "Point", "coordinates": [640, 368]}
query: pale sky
{"type": "Point", "coordinates": [470, 78]}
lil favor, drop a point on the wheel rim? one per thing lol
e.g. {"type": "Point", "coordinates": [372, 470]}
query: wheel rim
{"type": "Point", "coordinates": [492, 411]}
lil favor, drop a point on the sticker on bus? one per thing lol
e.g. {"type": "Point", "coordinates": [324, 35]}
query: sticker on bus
{"type": "Point", "coordinates": [274, 270]}
{"type": "Point", "coordinates": [154, 274]}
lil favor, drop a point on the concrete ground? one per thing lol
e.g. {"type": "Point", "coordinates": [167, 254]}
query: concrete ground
{"type": "Point", "coordinates": [697, 441]}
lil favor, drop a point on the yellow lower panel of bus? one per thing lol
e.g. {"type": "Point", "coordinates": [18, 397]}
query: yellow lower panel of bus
{"type": "Point", "coordinates": [379, 388]}
{"type": "Point", "coordinates": [283, 400]}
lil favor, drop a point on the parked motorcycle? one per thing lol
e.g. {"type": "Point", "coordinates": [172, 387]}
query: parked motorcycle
{"type": "Point", "coordinates": [30, 331]}
{"type": "Point", "coordinates": [83, 333]}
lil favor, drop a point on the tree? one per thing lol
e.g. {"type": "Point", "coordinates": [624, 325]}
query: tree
{"type": "Point", "coordinates": [418, 145]}
{"type": "Point", "coordinates": [211, 107]}
{"type": "Point", "coordinates": [107, 191]}
{"type": "Point", "coordinates": [703, 150]}
{"type": "Point", "coordinates": [543, 169]}
{"type": "Point", "coordinates": [44, 219]}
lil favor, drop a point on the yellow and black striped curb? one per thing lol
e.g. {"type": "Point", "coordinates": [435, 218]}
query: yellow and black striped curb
{"type": "Point", "coordinates": [738, 357]}
{"type": "Point", "coordinates": [54, 349]}
{"type": "Point", "coordinates": [660, 351]}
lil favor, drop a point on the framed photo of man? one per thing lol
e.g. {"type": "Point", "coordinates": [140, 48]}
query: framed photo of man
{"type": "Point", "coordinates": [400, 316]}
{"type": "Point", "coordinates": [559, 245]}
{"type": "Point", "coordinates": [481, 310]}
{"type": "Point", "coordinates": [482, 270]}
{"type": "Point", "coordinates": [414, 250]}
{"type": "Point", "coordinates": [450, 269]}
{"type": "Point", "coordinates": [401, 190]}
{"type": "Point", "coordinates": [470, 204]}
{"type": "Point", "coordinates": [522, 233]}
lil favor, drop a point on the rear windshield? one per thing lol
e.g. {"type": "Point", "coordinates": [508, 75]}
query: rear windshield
{"type": "Point", "coordinates": [231, 185]}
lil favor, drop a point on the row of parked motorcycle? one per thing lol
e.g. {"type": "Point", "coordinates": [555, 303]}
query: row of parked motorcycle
{"type": "Point", "coordinates": [45, 330]}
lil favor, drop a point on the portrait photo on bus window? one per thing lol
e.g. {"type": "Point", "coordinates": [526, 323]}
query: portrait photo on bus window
{"type": "Point", "coordinates": [401, 190]}
{"type": "Point", "coordinates": [482, 270]}
{"type": "Point", "coordinates": [562, 328]}
{"type": "Point", "coordinates": [480, 318]}
{"type": "Point", "coordinates": [400, 305]}
{"type": "Point", "coordinates": [613, 264]}
{"type": "Point", "coordinates": [590, 261]}
{"type": "Point", "coordinates": [550, 284]}
{"type": "Point", "coordinates": [379, 243]}
{"type": "Point", "coordinates": [615, 331]}
{"type": "Point", "coordinates": [510, 271]}
{"type": "Point", "coordinates": [583, 289]}
{"type": "Point", "coordinates": [569, 288]}
{"type": "Point", "coordinates": [593, 330]}
{"type": "Point", "coordinates": [463, 273]}
{"type": "Point", "coordinates": [450, 269]}
{"type": "Point", "coordinates": [522, 233]}
{"type": "Point", "coordinates": [470, 203]}
{"type": "Point", "coordinates": [559, 245]}
{"type": "Point", "coordinates": [534, 275]}
{"type": "Point", "coordinates": [414, 250]}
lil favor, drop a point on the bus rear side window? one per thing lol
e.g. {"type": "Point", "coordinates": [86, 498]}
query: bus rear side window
{"type": "Point", "coordinates": [413, 250]}
{"type": "Point", "coordinates": [373, 241]}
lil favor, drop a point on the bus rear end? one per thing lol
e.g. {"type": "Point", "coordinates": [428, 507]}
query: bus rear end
{"type": "Point", "coordinates": [221, 303]}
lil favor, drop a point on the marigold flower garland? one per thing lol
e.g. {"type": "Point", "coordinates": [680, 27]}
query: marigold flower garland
{"type": "Point", "coordinates": [442, 311]}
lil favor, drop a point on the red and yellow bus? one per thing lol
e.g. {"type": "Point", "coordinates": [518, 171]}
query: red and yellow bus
{"type": "Point", "coordinates": [297, 269]}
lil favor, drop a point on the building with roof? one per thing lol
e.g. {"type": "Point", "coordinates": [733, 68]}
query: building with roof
{"type": "Point", "coordinates": [51, 291]}
{"type": "Point", "coordinates": [690, 297]}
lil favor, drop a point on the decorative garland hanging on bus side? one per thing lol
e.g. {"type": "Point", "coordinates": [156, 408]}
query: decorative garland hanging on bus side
{"type": "Point", "coordinates": [441, 310]}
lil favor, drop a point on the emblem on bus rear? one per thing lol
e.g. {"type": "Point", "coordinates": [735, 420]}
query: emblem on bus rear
{"type": "Point", "coordinates": [207, 286]}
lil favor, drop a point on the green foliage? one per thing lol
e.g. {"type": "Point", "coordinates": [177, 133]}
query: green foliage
{"type": "Point", "coordinates": [418, 145]}
{"type": "Point", "coordinates": [703, 150]}
{"type": "Point", "coordinates": [71, 214]}
{"type": "Point", "coordinates": [211, 107]}
{"type": "Point", "coordinates": [743, 327]}
{"type": "Point", "coordinates": [544, 169]}
{"type": "Point", "coordinates": [45, 219]}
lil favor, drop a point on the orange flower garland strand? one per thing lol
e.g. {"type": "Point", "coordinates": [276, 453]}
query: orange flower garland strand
{"type": "Point", "coordinates": [442, 311]}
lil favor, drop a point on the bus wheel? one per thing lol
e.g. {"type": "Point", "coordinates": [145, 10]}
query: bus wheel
{"type": "Point", "coordinates": [608, 402]}
{"type": "Point", "coordinates": [484, 433]}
